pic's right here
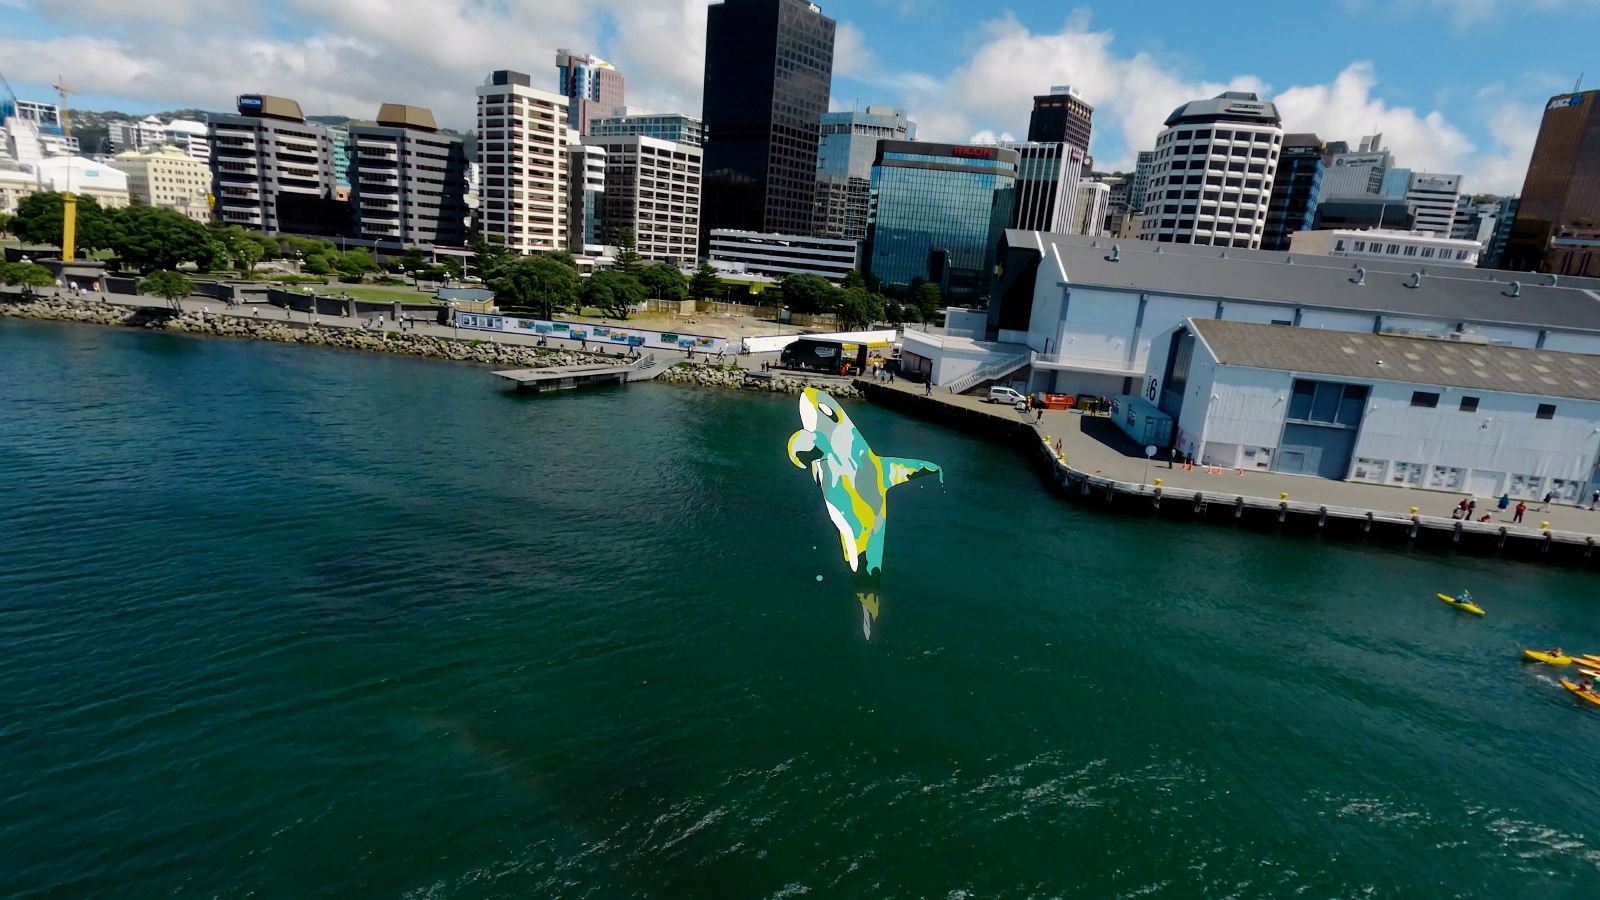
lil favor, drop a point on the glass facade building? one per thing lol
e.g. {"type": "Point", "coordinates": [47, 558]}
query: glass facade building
{"type": "Point", "coordinates": [1561, 194]}
{"type": "Point", "coordinates": [848, 145]}
{"type": "Point", "coordinates": [938, 213]}
{"type": "Point", "coordinates": [1294, 190]}
{"type": "Point", "coordinates": [769, 66]}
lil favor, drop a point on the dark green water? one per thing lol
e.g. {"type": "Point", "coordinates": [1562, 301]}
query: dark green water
{"type": "Point", "coordinates": [286, 623]}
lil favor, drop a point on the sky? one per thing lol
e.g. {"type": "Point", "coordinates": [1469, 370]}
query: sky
{"type": "Point", "coordinates": [1455, 86]}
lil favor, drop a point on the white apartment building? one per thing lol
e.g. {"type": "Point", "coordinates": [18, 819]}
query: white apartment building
{"type": "Point", "coordinates": [777, 255]}
{"type": "Point", "coordinates": [586, 191]}
{"type": "Point", "coordinates": [14, 185]}
{"type": "Point", "coordinates": [1434, 197]}
{"type": "Point", "coordinates": [1214, 167]}
{"type": "Point", "coordinates": [1094, 199]}
{"type": "Point", "coordinates": [1049, 176]}
{"type": "Point", "coordinates": [522, 151]}
{"type": "Point", "coordinates": [187, 135]}
{"type": "Point", "coordinates": [84, 177]}
{"type": "Point", "coordinates": [653, 187]}
{"type": "Point", "coordinates": [1422, 247]}
{"type": "Point", "coordinates": [166, 177]}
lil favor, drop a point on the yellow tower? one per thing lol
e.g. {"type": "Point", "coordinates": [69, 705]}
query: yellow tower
{"type": "Point", "coordinates": [69, 202]}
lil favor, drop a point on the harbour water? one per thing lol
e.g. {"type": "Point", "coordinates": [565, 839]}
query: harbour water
{"type": "Point", "coordinates": [277, 621]}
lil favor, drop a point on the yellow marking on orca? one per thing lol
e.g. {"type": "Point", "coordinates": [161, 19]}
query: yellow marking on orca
{"type": "Point", "coordinates": [869, 602]}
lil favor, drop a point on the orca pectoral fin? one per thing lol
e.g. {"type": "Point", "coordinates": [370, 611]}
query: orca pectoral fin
{"type": "Point", "coordinates": [803, 449]}
{"type": "Point", "coordinates": [901, 469]}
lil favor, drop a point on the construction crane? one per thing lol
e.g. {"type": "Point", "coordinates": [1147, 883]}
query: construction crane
{"type": "Point", "coordinates": [69, 202]}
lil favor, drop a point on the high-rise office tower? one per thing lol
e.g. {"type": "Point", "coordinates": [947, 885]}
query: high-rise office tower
{"type": "Point", "coordinates": [653, 187]}
{"type": "Point", "coordinates": [769, 67]}
{"type": "Point", "coordinates": [272, 171]}
{"type": "Point", "coordinates": [592, 86]}
{"type": "Point", "coordinates": [1048, 175]}
{"type": "Point", "coordinates": [1061, 116]}
{"type": "Point", "coordinates": [409, 182]}
{"type": "Point", "coordinates": [1504, 218]}
{"type": "Point", "coordinates": [522, 156]}
{"type": "Point", "coordinates": [938, 213]}
{"type": "Point", "coordinates": [1294, 190]}
{"type": "Point", "coordinates": [1353, 174]}
{"type": "Point", "coordinates": [1215, 164]}
{"type": "Point", "coordinates": [1434, 198]}
{"type": "Point", "coordinates": [848, 144]}
{"type": "Point", "coordinates": [1139, 188]}
{"type": "Point", "coordinates": [1561, 193]}
{"type": "Point", "coordinates": [586, 190]}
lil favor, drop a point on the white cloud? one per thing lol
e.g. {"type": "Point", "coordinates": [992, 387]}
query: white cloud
{"type": "Point", "coordinates": [852, 58]}
{"type": "Point", "coordinates": [990, 93]}
{"type": "Point", "coordinates": [1461, 14]}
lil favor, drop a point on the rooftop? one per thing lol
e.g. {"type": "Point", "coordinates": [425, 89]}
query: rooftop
{"type": "Point", "coordinates": [1228, 106]}
{"type": "Point", "coordinates": [1193, 270]}
{"type": "Point", "coordinates": [1423, 361]}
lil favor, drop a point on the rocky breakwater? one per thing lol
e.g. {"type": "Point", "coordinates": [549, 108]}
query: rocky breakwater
{"type": "Point", "coordinates": [745, 380]}
{"type": "Point", "coordinates": [65, 309]}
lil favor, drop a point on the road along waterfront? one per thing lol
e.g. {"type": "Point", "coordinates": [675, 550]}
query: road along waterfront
{"type": "Point", "coordinates": [292, 622]}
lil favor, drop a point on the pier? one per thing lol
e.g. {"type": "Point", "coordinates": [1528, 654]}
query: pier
{"type": "Point", "coordinates": [555, 378]}
{"type": "Point", "coordinates": [1097, 465]}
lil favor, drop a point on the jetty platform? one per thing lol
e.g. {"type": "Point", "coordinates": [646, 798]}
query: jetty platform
{"type": "Point", "coordinates": [1098, 465]}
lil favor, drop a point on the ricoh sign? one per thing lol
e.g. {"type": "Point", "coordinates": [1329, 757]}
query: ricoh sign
{"type": "Point", "coordinates": [973, 152]}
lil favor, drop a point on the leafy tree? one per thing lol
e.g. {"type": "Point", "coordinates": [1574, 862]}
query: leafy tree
{"type": "Point", "coordinates": [628, 258]}
{"type": "Point", "coordinates": [167, 283]}
{"type": "Point", "coordinates": [535, 283]}
{"type": "Point", "coordinates": [318, 264]}
{"type": "Point", "coordinates": [411, 260]}
{"type": "Point", "coordinates": [355, 264]}
{"type": "Point", "coordinates": [857, 307]}
{"type": "Point", "coordinates": [490, 256]}
{"type": "Point", "coordinates": [26, 275]}
{"type": "Point", "coordinates": [152, 238]}
{"type": "Point", "coordinates": [805, 293]}
{"type": "Point", "coordinates": [452, 267]}
{"type": "Point", "coordinates": [38, 221]}
{"type": "Point", "coordinates": [853, 279]}
{"type": "Point", "coordinates": [613, 292]}
{"type": "Point", "coordinates": [246, 253]}
{"type": "Point", "coordinates": [705, 283]}
{"type": "Point", "coordinates": [563, 257]}
{"type": "Point", "coordinates": [5, 223]}
{"type": "Point", "coordinates": [928, 301]}
{"type": "Point", "coordinates": [664, 282]}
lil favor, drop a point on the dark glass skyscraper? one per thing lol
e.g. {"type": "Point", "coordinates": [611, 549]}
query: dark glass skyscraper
{"type": "Point", "coordinates": [1061, 117]}
{"type": "Point", "coordinates": [938, 213]}
{"type": "Point", "coordinates": [769, 67]}
{"type": "Point", "coordinates": [1294, 190]}
{"type": "Point", "coordinates": [1561, 194]}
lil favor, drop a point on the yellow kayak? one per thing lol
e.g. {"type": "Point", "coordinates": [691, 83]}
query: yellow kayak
{"type": "Point", "coordinates": [1463, 605]}
{"type": "Point", "coordinates": [1580, 693]}
{"type": "Point", "coordinates": [1548, 658]}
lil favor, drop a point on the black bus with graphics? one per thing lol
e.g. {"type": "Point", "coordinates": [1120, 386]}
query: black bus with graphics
{"type": "Point", "coordinates": [814, 355]}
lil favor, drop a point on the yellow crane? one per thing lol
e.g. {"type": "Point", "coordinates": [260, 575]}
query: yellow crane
{"type": "Point", "coordinates": [69, 202]}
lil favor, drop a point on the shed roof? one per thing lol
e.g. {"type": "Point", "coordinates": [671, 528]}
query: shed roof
{"type": "Point", "coordinates": [1382, 357]}
{"type": "Point", "coordinates": [1446, 292]}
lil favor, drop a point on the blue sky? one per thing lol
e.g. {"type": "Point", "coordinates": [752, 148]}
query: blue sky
{"type": "Point", "coordinates": [1455, 85]}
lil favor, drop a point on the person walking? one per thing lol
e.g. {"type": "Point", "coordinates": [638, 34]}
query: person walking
{"type": "Point", "coordinates": [1594, 499]}
{"type": "Point", "coordinates": [1548, 496]}
{"type": "Point", "coordinates": [927, 387]}
{"type": "Point", "coordinates": [1505, 501]}
{"type": "Point", "coordinates": [1521, 508]}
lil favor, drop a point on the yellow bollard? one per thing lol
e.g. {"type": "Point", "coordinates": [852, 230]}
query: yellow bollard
{"type": "Point", "coordinates": [1047, 439]}
{"type": "Point", "coordinates": [1413, 510]}
{"type": "Point", "coordinates": [1158, 482]}
{"type": "Point", "coordinates": [1544, 526]}
{"type": "Point", "coordinates": [1283, 495]}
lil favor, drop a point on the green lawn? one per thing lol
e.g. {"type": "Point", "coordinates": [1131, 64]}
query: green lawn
{"type": "Point", "coordinates": [374, 293]}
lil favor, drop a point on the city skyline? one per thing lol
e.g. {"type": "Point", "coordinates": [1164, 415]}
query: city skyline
{"type": "Point", "coordinates": [962, 75]}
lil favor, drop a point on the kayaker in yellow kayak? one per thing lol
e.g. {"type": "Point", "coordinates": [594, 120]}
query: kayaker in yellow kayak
{"type": "Point", "coordinates": [1464, 597]}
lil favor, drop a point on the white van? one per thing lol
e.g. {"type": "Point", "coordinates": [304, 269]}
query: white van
{"type": "Point", "coordinates": [1009, 396]}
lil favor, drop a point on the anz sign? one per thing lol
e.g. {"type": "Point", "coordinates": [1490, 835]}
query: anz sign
{"type": "Point", "coordinates": [1564, 102]}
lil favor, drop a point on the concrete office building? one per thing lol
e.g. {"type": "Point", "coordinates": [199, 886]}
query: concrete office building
{"type": "Point", "coordinates": [847, 144]}
{"type": "Point", "coordinates": [1293, 205]}
{"type": "Point", "coordinates": [1475, 221]}
{"type": "Point", "coordinates": [778, 255]}
{"type": "Point", "coordinates": [1048, 179]}
{"type": "Point", "coordinates": [1061, 116]}
{"type": "Point", "coordinates": [1505, 218]}
{"type": "Point", "coordinates": [1396, 183]}
{"type": "Point", "coordinates": [1561, 193]}
{"type": "Point", "coordinates": [769, 65]}
{"type": "Point", "coordinates": [652, 187]}
{"type": "Point", "coordinates": [1355, 174]}
{"type": "Point", "coordinates": [624, 121]}
{"type": "Point", "coordinates": [1466, 417]}
{"type": "Point", "coordinates": [1215, 164]}
{"type": "Point", "coordinates": [586, 191]}
{"type": "Point", "coordinates": [939, 211]}
{"type": "Point", "coordinates": [592, 86]}
{"type": "Point", "coordinates": [14, 185]}
{"type": "Point", "coordinates": [341, 154]}
{"type": "Point", "coordinates": [1364, 212]}
{"type": "Point", "coordinates": [1094, 199]}
{"type": "Point", "coordinates": [165, 177]}
{"type": "Point", "coordinates": [1433, 197]}
{"type": "Point", "coordinates": [1077, 315]}
{"type": "Point", "coordinates": [409, 182]}
{"type": "Point", "coordinates": [1139, 187]}
{"type": "Point", "coordinates": [84, 177]}
{"type": "Point", "coordinates": [1422, 248]}
{"type": "Point", "coordinates": [272, 171]}
{"type": "Point", "coordinates": [522, 152]}
{"type": "Point", "coordinates": [187, 135]}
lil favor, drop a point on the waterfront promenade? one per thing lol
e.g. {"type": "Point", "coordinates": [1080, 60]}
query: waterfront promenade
{"type": "Point", "coordinates": [1093, 446]}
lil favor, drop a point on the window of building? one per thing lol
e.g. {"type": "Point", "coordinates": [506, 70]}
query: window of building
{"type": "Point", "coordinates": [1469, 404]}
{"type": "Point", "coordinates": [1185, 135]}
{"type": "Point", "coordinates": [1427, 253]}
{"type": "Point", "coordinates": [1411, 250]}
{"type": "Point", "coordinates": [1394, 250]}
{"type": "Point", "coordinates": [1546, 411]}
{"type": "Point", "coordinates": [1361, 246]}
{"type": "Point", "coordinates": [1223, 135]}
{"type": "Point", "coordinates": [1338, 246]}
{"type": "Point", "coordinates": [1425, 399]}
